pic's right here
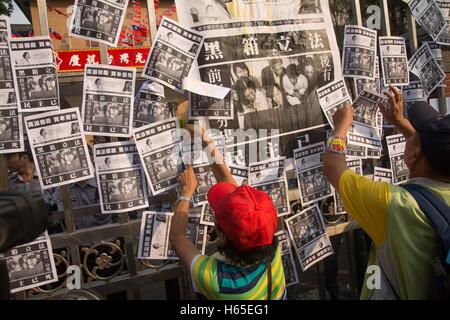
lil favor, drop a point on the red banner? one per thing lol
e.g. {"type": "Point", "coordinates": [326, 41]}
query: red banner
{"type": "Point", "coordinates": [74, 60]}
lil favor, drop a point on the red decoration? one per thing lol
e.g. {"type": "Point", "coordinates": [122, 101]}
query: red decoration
{"type": "Point", "coordinates": [74, 60]}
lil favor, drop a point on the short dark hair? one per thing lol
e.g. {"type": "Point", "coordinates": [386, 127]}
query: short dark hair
{"type": "Point", "coordinates": [250, 257]}
{"type": "Point", "coordinates": [240, 65]}
{"type": "Point", "coordinates": [291, 71]}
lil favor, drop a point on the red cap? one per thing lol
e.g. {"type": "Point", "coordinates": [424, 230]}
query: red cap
{"type": "Point", "coordinates": [246, 215]}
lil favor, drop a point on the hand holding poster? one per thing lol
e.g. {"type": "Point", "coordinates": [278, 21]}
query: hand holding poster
{"type": "Point", "coordinates": [59, 147]}
{"type": "Point", "coordinates": [35, 74]}
{"type": "Point", "coordinates": [120, 177]}
{"type": "Point", "coordinates": [312, 184]}
{"type": "Point", "coordinates": [11, 124]}
{"type": "Point", "coordinates": [30, 265]}
{"type": "Point", "coordinates": [333, 97]}
{"type": "Point", "coordinates": [396, 149]}
{"type": "Point", "coordinates": [160, 152]}
{"type": "Point", "coordinates": [108, 97]}
{"type": "Point", "coordinates": [359, 53]}
{"type": "Point", "coordinates": [307, 232]}
{"type": "Point", "coordinates": [428, 15]}
{"type": "Point", "coordinates": [364, 130]}
{"type": "Point", "coordinates": [394, 61]}
{"type": "Point", "coordinates": [98, 20]}
{"type": "Point", "coordinates": [173, 53]}
{"type": "Point", "coordinates": [426, 68]}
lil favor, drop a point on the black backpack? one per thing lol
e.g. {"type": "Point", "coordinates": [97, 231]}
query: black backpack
{"type": "Point", "coordinates": [438, 214]}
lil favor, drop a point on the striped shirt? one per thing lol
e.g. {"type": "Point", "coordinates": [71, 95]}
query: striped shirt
{"type": "Point", "coordinates": [217, 280]}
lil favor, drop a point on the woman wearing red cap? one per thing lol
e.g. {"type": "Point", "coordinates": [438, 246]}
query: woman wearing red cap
{"type": "Point", "coordinates": [248, 263]}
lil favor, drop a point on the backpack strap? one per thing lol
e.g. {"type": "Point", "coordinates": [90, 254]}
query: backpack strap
{"type": "Point", "coordinates": [437, 212]}
{"type": "Point", "coordinates": [269, 278]}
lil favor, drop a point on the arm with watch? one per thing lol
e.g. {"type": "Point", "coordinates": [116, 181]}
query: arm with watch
{"type": "Point", "coordinates": [184, 248]}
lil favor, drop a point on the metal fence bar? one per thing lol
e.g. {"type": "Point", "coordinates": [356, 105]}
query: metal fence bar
{"type": "Point", "coordinates": [385, 23]}
{"type": "Point", "coordinates": [4, 184]}
{"type": "Point", "coordinates": [151, 19]}
{"type": "Point", "coordinates": [356, 9]}
{"type": "Point", "coordinates": [412, 34]}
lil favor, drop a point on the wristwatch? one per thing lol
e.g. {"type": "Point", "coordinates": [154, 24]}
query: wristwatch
{"type": "Point", "coordinates": [188, 199]}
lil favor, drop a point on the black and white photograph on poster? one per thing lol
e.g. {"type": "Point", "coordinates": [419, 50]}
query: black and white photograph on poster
{"type": "Point", "coordinates": [207, 216]}
{"type": "Point", "coordinates": [98, 20]}
{"type": "Point", "coordinates": [382, 175]}
{"type": "Point", "coordinates": [120, 176]}
{"type": "Point", "coordinates": [150, 105]}
{"type": "Point", "coordinates": [154, 235]}
{"type": "Point", "coordinates": [375, 153]}
{"type": "Point", "coordinates": [396, 150]}
{"type": "Point", "coordinates": [287, 258]}
{"type": "Point", "coordinates": [11, 124]}
{"type": "Point", "coordinates": [359, 53]}
{"type": "Point", "coordinates": [267, 171]}
{"type": "Point", "coordinates": [274, 71]}
{"type": "Point", "coordinates": [427, 69]}
{"type": "Point", "coordinates": [205, 180]}
{"type": "Point", "coordinates": [173, 53]}
{"type": "Point", "coordinates": [59, 147]}
{"type": "Point", "coordinates": [428, 16]}
{"type": "Point", "coordinates": [30, 265]}
{"type": "Point", "coordinates": [108, 98]}
{"type": "Point", "coordinates": [195, 232]}
{"type": "Point", "coordinates": [413, 93]}
{"type": "Point", "coordinates": [436, 50]}
{"type": "Point", "coordinates": [373, 85]}
{"type": "Point", "coordinates": [364, 129]}
{"type": "Point", "coordinates": [214, 109]}
{"type": "Point", "coordinates": [162, 168]}
{"type": "Point", "coordinates": [312, 184]}
{"type": "Point", "coordinates": [161, 154]}
{"type": "Point", "coordinates": [35, 73]}
{"type": "Point", "coordinates": [356, 152]}
{"type": "Point", "coordinates": [307, 232]}
{"type": "Point", "coordinates": [333, 97]}
{"type": "Point", "coordinates": [5, 30]}
{"type": "Point", "coordinates": [444, 36]}
{"type": "Point", "coordinates": [157, 135]}
{"type": "Point", "coordinates": [240, 174]}
{"type": "Point", "coordinates": [279, 193]}
{"type": "Point", "coordinates": [11, 131]}
{"type": "Point", "coordinates": [394, 61]}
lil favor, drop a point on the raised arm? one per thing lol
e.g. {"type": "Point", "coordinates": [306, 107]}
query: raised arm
{"type": "Point", "coordinates": [334, 163]}
{"type": "Point", "coordinates": [219, 168]}
{"type": "Point", "coordinates": [395, 114]}
{"type": "Point", "coordinates": [184, 248]}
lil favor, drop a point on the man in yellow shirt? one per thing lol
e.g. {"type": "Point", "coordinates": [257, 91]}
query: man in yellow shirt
{"type": "Point", "coordinates": [405, 242]}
